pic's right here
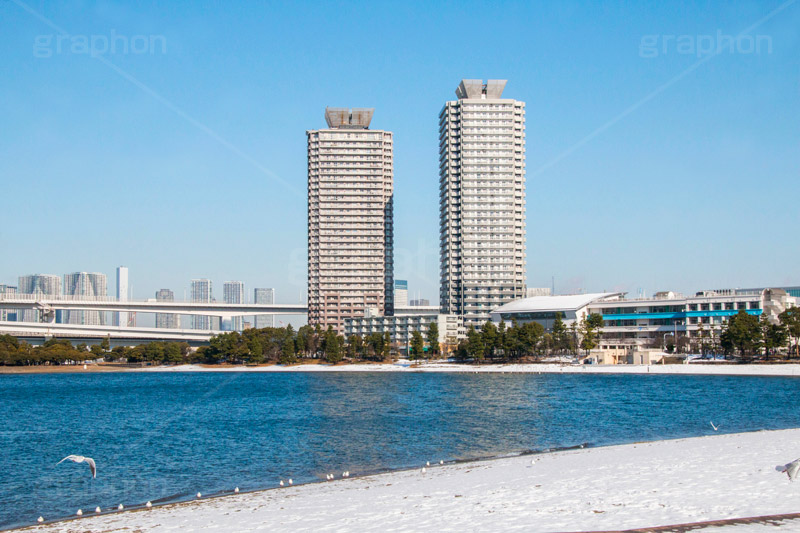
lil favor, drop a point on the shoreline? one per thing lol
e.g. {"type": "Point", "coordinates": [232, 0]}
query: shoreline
{"type": "Point", "coordinates": [727, 477]}
{"type": "Point", "coordinates": [778, 369]}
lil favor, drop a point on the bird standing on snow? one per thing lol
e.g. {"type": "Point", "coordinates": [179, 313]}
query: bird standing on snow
{"type": "Point", "coordinates": [81, 459]}
{"type": "Point", "coordinates": [791, 469]}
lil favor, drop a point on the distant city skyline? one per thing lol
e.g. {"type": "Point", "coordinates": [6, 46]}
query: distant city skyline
{"type": "Point", "coordinates": [639, 164]}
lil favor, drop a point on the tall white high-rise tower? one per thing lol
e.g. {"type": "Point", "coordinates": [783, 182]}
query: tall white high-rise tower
{"type": "Point", "coordinates": [166, 320]}
{"type": "Point", "coordinates": [264, 296]}
{"type": "Point", "coordinates": [350, 234]}
{"type": "Point", "coordinates": [86, 286]}
{"type": "Point", "coordinates": [41, 284]}
{"type": "Point", "coordinates": [201, 292]}
{"type": "Point", "coordinates": [233, 293]}
{"type": "Point", "coordinates": [481, 200]}
{"type": "Point", "coordinates": [121, 318]}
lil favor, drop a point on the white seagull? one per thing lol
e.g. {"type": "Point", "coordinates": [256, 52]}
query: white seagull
{"type": "Point", "coordinates": [79, 513]}
{"type": "Point", "coordinates": [716, 428]}
{"type": "Point", "coordinates": [40, 519]}
{"type": "Point", "coordinates": [148, 505]}
{"type": "Point", "coordinates": [290, 481]}
{"type": "Point", "coordinates": [81, 459]}
{"type": "Point", "coordinates": [97, 510]}
{"type": "Point", "coordinates": [791, 469]}
{"type": "Point", "coordinates": [120, 507]}
{"type": "Point", "coordinates": [236, 490]}
{"type": "Point", "coordinates": [281, 483]}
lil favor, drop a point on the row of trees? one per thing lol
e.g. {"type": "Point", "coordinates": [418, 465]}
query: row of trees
{"type": "Point", "coordinates": [529, 339]}
{"type": "Point", "coordinates": [252, 346]}
{"type": "Point", "coordinates": [62, 352]}
{"type": "Point", "coordinates": [748, 335]}
{"type": "Point", "coordinates": [284, 345]}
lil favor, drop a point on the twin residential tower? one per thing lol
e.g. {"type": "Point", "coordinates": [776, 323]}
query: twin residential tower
{"type": "Point", "coordinates": [481, 201]}
{"type": "Point", "coordinates": [481, 209]}
{"type": "Point", "coordinates": [350, 234]}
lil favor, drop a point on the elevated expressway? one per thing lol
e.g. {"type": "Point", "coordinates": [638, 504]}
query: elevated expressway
{"type": "Point", "coordinates": [48, 328]}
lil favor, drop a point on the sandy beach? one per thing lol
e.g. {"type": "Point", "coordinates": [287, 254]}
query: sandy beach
{"type": "Point", "coordinates": [642, 485]}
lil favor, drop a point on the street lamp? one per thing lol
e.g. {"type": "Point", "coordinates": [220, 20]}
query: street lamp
{"type": "Point", "coordinates": [665, 340]}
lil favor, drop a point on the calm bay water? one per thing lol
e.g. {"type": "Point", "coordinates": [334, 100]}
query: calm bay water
{"type": "Point", "coordinates": [165, 437]}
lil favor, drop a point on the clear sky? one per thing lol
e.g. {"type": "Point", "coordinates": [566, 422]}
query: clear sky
{"type": "Point", "coordinates": [659, 155]}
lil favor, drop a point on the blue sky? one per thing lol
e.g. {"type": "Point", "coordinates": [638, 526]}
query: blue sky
{"type": "Point", "coordinates": [656, 167]}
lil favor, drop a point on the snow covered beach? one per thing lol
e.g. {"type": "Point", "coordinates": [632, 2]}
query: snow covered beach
{"type": "Point", "coordinates": [640, 485]}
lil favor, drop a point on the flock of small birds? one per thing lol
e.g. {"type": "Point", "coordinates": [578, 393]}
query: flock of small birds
{"type": "Point", "coordinates": [790, 469]}
{"type": "Point", "coordinates": [149, 504]}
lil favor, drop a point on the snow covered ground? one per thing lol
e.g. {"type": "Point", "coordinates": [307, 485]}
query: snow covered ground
{"type": "Point", "coordinates": [611, 488]}
{"type": "Point", "coordinates": [408, 366]}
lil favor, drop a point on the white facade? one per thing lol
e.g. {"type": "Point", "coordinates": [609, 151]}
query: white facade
{"type": "Point", "coordinates": [233, 293]}
{"type": "Point", "coordinates": [636, 324]}
{"type": "Point", "coordinates": [85, 285]}
{"type": "Point", "coordinates": [121, 318]}
{"type": "Point", "coordinates": [350, 234]}
{"type": "Point", "coordinates": [166, 320]}
{"type": "Point", "coordinates": [264, 296]}
{"type": "Point", "coordinates": [44, 284]}
{"type": "Point", "coordinates": [400, 328]}
{"type": "Point", "coordinates": [481, 200]}
{"type": "Point", "coordinates": [202, 292]}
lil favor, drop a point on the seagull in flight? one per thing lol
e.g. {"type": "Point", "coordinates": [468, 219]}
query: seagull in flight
{"type": "Point", "coordinates": [716, 428]}
{"type": "Point", "coordinates": [791, 469]}
{"type": "Point", "coordinates": [81, 459]}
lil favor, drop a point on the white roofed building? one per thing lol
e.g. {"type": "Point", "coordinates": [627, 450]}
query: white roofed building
{"type": "Point", "coordinates": [543, 309]}
{"type": "Point", "coordinates": [691, 323]}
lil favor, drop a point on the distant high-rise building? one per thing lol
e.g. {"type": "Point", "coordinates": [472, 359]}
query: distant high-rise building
{"type": "Point", "coordinates": [8, 315]}
{"type": "Point", "coordinates": [264, 296]}
{"type": "Point", "coordinates": [166, 320]}
{"type": "Point", "coordinates": [420, 302]}
{"type": "Point", "coordinates": [85, 286]}
{"type": "Point", "coordinates": [39, 284]}
{"type": "Point", "coordinates": [121, 318]}
{"type": "Point", "coordinates": [233, 293]}
{"type": "Point", "coordinates": [350, 235]}
{"type": "Point", "coordinates": [201, 293]}
{"type": "Point", "coordinates": [530, 292]}
{"type": "Point", "coordinates": [400, 293]}
{"type": "Point", "coordinates": [481, 200]}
